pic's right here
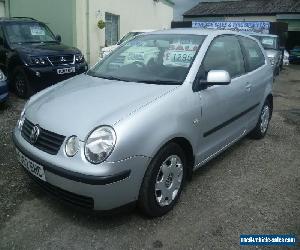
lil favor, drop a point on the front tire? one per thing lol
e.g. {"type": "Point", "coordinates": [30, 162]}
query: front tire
{"type": "Point", "coordinates": [163, 181]}
{"type": "Point", "coordinates": [262, 125]}
{"type": "Point", "coordinates": [20, 83]}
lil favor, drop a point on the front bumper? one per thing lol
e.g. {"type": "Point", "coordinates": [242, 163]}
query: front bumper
{"type": "Point", "coordinates": [42, 77]}
{"type": "Point", "coordinates": [118, 187]}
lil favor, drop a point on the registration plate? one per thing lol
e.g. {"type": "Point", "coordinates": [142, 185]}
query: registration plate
{"type": "Point", "coordinates": [66, 71]}
{"type": "Point", "coordinates": [34, 168]}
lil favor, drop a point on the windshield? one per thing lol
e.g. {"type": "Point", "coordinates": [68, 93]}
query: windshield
{"type": "Point", "coordinates": [29, 33]}
{"type": "Point", "coordinates": [128, 36]}
{"type": "Point", "coordinates": [156, 59]}
{"type": "Point", "coordinates": [267, 42]}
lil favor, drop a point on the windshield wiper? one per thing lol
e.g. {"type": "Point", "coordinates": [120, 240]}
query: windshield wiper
{"type": "Point", "coordinates": [161, 82]}
{"type": "Point", "coordinates": [111, 78]}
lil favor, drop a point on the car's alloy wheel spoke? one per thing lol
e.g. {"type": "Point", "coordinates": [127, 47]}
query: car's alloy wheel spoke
{"type": "Point", "coordinates": [265, 117]}
{"type": "Point", "coordinates": [168, 180]}
{"type": "Point", "coordinates": [20, 85]}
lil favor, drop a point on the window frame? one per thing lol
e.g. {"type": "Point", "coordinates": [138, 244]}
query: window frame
{"type": "Point", "coordinates": [118, 24]}
{"type": "Point", "coordinates": [247, 68]}
{"type": "Point", "coordinates": [201, 70]}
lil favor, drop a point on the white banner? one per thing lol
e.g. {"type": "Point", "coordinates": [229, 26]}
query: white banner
{"type": "Point", "coordinates": [260, 27]}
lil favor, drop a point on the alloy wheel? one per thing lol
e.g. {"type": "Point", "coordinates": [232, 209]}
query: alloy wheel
{"type": "Point", "coordinates": [265, 118]}
{"type": "Point", "coordinates": [169, 180]}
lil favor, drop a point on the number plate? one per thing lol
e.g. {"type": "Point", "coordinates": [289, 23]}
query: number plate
{"type": "Point", "coordinates": [66, 71]}
{"type": "Point", "coordinates": [34, 168]}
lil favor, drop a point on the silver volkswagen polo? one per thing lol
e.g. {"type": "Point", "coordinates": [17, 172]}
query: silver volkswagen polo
{"type": "Point", "coordinates": [136, 126]}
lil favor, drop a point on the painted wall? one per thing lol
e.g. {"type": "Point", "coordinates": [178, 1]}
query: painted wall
{"type": "Point", "coordinates": [134, 14]}
{"type": "Point", "coordinates": [2, 9]}
{"type": "Point", "coordinates": [57, 14]}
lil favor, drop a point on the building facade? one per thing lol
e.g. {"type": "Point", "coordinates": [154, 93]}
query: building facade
{"type": "Point", "coordinates": [287, 11]}
{"type": "Point", "coordinates": [76, 20]}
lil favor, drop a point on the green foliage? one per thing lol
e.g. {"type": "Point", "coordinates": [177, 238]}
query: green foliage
{"type": "Point", "coordinates": [101, 24]}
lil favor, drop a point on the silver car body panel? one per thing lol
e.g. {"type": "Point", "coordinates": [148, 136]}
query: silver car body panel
{"type": "Point", "coordinates": [274, 54]}
{"type": "Point", "coordinates": [145, 117]}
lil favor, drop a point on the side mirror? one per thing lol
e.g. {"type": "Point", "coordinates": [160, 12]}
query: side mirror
{"type": "Point", "coordinates": [214, 77]}
{"type": "Point", "coordinates": [218, 77]}
{"type": "Point", "coordinates": [58, 38]}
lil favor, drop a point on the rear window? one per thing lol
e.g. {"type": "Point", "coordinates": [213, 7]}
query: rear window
{"type": "Point", "coordinates": [254, 57]}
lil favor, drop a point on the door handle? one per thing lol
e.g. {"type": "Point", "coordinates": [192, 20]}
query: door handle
{"type": "Point", "coordinates": [248, 86]}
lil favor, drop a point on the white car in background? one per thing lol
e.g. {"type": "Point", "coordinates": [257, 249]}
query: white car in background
{"type": "Point", "coordinates": [106, 50]}
{"type": "Point", "coordinates": [286, 58]}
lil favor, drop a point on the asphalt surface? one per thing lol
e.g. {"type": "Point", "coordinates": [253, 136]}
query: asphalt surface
{"type": "Point", "coordinates": [252, 188]}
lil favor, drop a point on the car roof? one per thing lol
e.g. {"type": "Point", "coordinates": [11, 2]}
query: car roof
{"type": "Point", "coordinates": [197, 31]}
{"type": "Point", "coordinates": [260, 34]}
{"type": "Point", "coordinates": [17, 20]}
{"type": "Point", "coordinates": [143, 31]}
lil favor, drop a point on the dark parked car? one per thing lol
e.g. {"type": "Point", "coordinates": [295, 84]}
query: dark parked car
{"type": "Point", "coordinates": [295, 55]}
{"type": "Point", "coordinates": [33, 58]}
{"type": "Point", "coordinates": [3, 88]}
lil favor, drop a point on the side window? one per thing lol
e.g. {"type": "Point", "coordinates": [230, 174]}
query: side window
{"type": "Point", "coordinates": [225, 53]}
{"type": "Point", "coordinates": [253, 54]}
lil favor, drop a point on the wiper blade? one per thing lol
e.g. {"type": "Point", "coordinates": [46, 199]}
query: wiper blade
{"type": "Point", "coordinates": [162, 82]}
{"type": "Point", "coordinates": [111, 78]}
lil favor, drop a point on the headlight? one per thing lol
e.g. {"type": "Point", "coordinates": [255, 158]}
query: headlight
{"type": "Point", "coordinates": [79, 58]}
{"type": "Point", "coordinates": [2, 76]}
{"type": "Point", "coordinates": [272, 60]}
{"type": "Point", "coordinates": [22, 118]}
{"type": "Point", "coordinates": [39, 60]}
{"type": "Point", "coordinates": [72, 146]}
{"type": "Point", "coordinates": [99, 144]}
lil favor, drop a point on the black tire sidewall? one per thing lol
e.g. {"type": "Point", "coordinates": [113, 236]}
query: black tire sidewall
{"type": "Point", "coordinates": [147, 194]}
{"type": "Point", "coordinates": [20, 71]}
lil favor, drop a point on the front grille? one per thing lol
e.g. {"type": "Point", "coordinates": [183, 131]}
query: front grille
{"type": "Point", "coordinates": [74, 199]}
{"type": "Point", "coordinates": [61, 60]}
{"type": "Point", "coordinates": [47, 141]}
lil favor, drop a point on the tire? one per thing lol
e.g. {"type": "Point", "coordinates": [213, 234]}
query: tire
{"type": "Point", "coordinates": [277, 71]}
{"type": "Point", "coordinates": [163, 181]}
{"type": "Point", "coordinates": [262, 125]}
{"type": "Point", "coordinates": [20, 83]}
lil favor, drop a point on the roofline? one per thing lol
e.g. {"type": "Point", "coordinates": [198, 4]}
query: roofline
{"type": "Point", "coordinates": [168, 2]}
{"type": "Point", "coordinates": [259, 34]}
{"type": "Point", "coordinates": [248, 14]}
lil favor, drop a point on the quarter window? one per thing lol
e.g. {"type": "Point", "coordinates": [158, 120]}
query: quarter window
{"type": "Point", "coordinates": [225, 53]}
{"type": "Point", "coordinates": [253, 55]}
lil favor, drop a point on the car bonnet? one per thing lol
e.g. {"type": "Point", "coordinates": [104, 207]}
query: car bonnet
{"type": "Point", "coordinates": [83, 103]}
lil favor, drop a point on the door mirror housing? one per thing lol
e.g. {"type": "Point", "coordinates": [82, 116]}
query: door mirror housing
{"type": "Point", "coordinates": [214, 77]}
{"type": "Point", "coordinates": [218, 77]}
{"type": "Point", "coordinates": [58, 38]}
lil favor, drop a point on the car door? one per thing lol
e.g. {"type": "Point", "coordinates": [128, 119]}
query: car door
{"type": "Point", "coordinates": [258, 76]}
{"type": "Point", "coordinates": [222, 107]}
